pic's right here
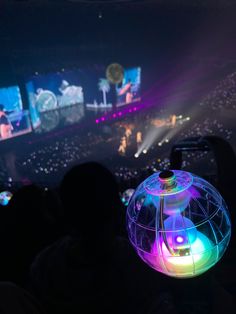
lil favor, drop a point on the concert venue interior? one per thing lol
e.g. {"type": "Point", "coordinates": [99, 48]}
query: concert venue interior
{"type": "Point", "coordinates": [139, 87]}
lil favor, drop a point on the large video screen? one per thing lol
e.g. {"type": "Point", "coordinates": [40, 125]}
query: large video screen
{"type": "Point", "coordinates": [129, 90]}
{"type": "Point", "coordinates": [55, 100]}
{"type": "Point", "coordinates": [60, 99]}
{"type": "Point", "coordinates": [14, 121]}
{"type": "Point", "coordinates": [98, 92]}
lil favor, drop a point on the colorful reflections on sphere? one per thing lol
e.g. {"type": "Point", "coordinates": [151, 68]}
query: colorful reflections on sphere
{"type": "Point", "coordinates": [178, 223]}
{"type": "Point", "coordinates": [5, 197]}
{"type": "Point", "coordinates": [126, 196]}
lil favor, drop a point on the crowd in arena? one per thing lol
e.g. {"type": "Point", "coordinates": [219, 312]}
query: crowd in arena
{"type": "Point", "coordinates": [72, 250]}
{"type": "Point", "coordinates": [117, 157]}
{"type": "Point", "coordinates": [223, 96]}
{"type": "Point", "coordinates": [51, 160]}
{"type": "Point", "coordinates": [73, 255]}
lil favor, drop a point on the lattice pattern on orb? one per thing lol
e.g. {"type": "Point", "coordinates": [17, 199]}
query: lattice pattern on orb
{"type": "Point", "coordinates": [178, 223]}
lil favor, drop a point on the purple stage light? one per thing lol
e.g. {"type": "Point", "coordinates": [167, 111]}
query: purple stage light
{"type": "Point", "coordinates": [119, 114]}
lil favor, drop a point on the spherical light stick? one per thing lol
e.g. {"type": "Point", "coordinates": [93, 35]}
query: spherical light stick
{"type": "Point", "coordinates": [5, 197]}
{"type": "Point", "coordinates": [178, 223]}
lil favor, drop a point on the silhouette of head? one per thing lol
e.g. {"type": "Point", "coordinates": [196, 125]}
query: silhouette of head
{"type": "Point", "coordinates": [90, 197]}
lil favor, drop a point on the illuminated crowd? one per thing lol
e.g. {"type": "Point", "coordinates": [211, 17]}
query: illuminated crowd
{"type": "Point", "coordinates": [49, 162]}
{"type": "Point", "coordinates": [223, 96]}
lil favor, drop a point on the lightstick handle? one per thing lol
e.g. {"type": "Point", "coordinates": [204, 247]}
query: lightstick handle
{"type": "Point", "coordinates": [163, 225]}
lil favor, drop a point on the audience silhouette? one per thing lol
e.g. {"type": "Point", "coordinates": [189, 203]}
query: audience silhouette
{"type": "Point", "coordinates": [91, 267]}
{"type": "Point", "coordinates": [68, 248]}
{"type": "Point", "coordinates": [25, 231]}
{"type": "Point", "coordinates": [14, 299]}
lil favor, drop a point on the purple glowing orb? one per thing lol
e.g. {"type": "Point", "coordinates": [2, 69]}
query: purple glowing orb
{"type": "Point", "coordinates": [178, 223]}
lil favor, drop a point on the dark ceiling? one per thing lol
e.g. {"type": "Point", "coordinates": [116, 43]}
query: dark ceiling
{"type": "Point", "coordinates": [140, 3]}
{"type": "Point", "coordinates": [40, 32]}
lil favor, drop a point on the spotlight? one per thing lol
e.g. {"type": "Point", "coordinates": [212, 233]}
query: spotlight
{"type": "Point", "coordinates": [159, 144]}
{"type": "Point", "coordinates": [136, 155]}
{"type": "Point", "coordinates": [145, 151]}
{"type": "Point", "coordinates": [188, 118]}
{"type": "Point", "coordinates": [97, 121]}
{"type": "Point", "coordinates": [166, 140]}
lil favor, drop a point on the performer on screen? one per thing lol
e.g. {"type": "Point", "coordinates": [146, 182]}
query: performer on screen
{"type": "Point", "coordinates": [5, 124]}
{"type": "Point", "coordinates": [126, 91]}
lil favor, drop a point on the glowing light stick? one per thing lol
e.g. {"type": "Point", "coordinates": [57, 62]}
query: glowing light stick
{"type": "Point", "coordinates": [5, 197]}
{"type": "Point", "coordinates": [178, 223]}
